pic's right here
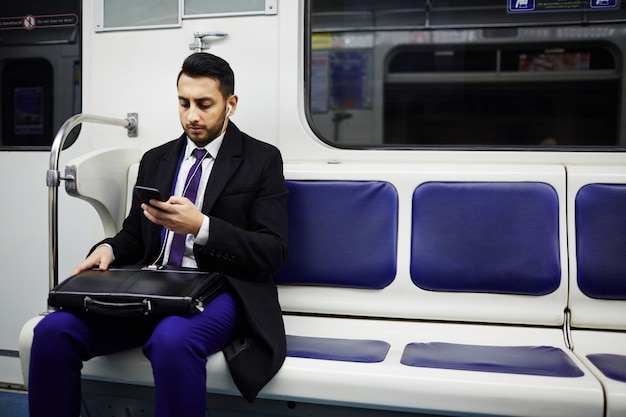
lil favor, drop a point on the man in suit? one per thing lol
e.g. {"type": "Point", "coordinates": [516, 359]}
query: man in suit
{"type": "Point", "coordinates": [237, 224]}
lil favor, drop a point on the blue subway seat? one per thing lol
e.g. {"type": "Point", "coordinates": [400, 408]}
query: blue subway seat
{"type": "Point", "coordinates": [486, 237]}
{"type": "Point", "coordinates": [525, 360]}
{"type": "Point", "coordinates": [601, 240]}
{"type": "Point", "coordinates": [611, 365]}
{"type": "Point", "coordinates": [341, 234]}
{"type": "Point", "coordinates": [347, 350]}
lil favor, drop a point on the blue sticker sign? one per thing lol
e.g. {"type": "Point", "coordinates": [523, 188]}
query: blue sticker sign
{"type": "Point", "coordinates": [521, 5]}
{"type": "Point", "coordinates": [534, 6]}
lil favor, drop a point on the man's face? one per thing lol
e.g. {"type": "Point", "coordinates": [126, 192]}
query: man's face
{"type": "Point", "coordinates": [201, 108]}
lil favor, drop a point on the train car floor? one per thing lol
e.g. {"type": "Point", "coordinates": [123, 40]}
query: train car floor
{"type": "Point", "coordinates": [13, 403]}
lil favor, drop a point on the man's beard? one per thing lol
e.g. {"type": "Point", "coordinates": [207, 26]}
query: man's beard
{"type": "Point", "coordinates": [211, 133]}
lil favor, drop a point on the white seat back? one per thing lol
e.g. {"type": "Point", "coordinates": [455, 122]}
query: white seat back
{"type": "Point", "coordinates": [103, 179]}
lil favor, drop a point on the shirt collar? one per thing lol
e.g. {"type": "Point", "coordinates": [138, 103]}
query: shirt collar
{"type": "Point", "coordinates": [212, 148]}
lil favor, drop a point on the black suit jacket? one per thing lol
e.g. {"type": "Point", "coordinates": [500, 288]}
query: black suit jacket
{"type": "Point", "coordinates": [246, 201]}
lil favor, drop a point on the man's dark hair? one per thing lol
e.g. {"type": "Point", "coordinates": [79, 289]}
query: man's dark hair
{"type": "Point", "coordinates": [202, 64]}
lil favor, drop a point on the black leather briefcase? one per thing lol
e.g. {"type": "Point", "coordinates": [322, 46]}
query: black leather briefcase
{"type": "Point", "coordinates": [135, 291]}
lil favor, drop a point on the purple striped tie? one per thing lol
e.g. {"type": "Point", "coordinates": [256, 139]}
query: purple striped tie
{"type": "Point", "coordinates": [177, 249]}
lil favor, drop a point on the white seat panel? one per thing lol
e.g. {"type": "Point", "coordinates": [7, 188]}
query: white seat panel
{"type": "Point", "coordinates": [391, 385]}
{"type": "Point", "coordinates": [402, 298]}
{"type": "Point", "coordinates": [588, 312]}
{"type": "Point", "coordinates": [591, 341]}
{"type": "Point", "coordinates": [102, 179]}
{"type": "Point", "coordinates": [25, 342]}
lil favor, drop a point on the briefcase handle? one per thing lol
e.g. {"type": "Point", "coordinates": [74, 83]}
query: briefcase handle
{"type": "Point", "coordinates": [140, 308]}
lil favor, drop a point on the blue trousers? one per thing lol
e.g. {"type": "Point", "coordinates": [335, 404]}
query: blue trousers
{"type": "Point", "coordinates": [177, 348]}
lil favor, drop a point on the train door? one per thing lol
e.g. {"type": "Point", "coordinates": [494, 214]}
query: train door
{"type": "Point", "coordinates": [39, 89]}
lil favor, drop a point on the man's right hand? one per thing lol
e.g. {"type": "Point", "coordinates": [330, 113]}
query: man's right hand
{"type": "Point", "coordinates": [101, 258]}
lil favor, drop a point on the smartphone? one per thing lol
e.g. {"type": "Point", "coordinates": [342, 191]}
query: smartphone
{"type": "Point", "coordinates": [146, 194]}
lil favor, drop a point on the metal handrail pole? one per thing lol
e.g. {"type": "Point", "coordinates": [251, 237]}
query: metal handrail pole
{"type": "Point", "coordinates": [53, 180]}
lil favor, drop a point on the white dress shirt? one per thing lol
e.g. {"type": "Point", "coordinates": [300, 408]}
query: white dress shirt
{"type": "Point", "coordinates": [212, 148]}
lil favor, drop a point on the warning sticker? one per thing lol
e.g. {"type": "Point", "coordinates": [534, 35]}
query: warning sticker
{"type": "Point", "coordinates": [30, 22]}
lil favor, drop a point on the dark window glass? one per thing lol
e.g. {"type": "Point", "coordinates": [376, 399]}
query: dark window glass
{"type": "Point", "coordinates": [464, 74]}
{"type": "Point", "coordinates": [39, 71]}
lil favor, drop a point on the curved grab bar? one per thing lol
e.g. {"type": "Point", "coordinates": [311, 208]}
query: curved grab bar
{"type": "Point", "coordinates": [53, 179]}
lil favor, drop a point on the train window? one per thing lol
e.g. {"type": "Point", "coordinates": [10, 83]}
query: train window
{"type": "Point", "coordinates": [111, 15]}
{"type": "Point", "coordinates": [136, 14]}
{"type": "Point", "coordinates": [203, 8]}
{"type": "Point", "coordinates": [27, 86]}
{"type": "Point", "coordinates": [39, 72]}
{"type": "Point", "coordinates": [464, 74]}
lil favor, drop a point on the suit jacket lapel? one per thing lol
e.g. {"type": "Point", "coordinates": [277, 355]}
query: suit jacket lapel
{"type": "Point", "coordinates": [228, 160]}
{"type": "Point", "coordinates": [168, 167]}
